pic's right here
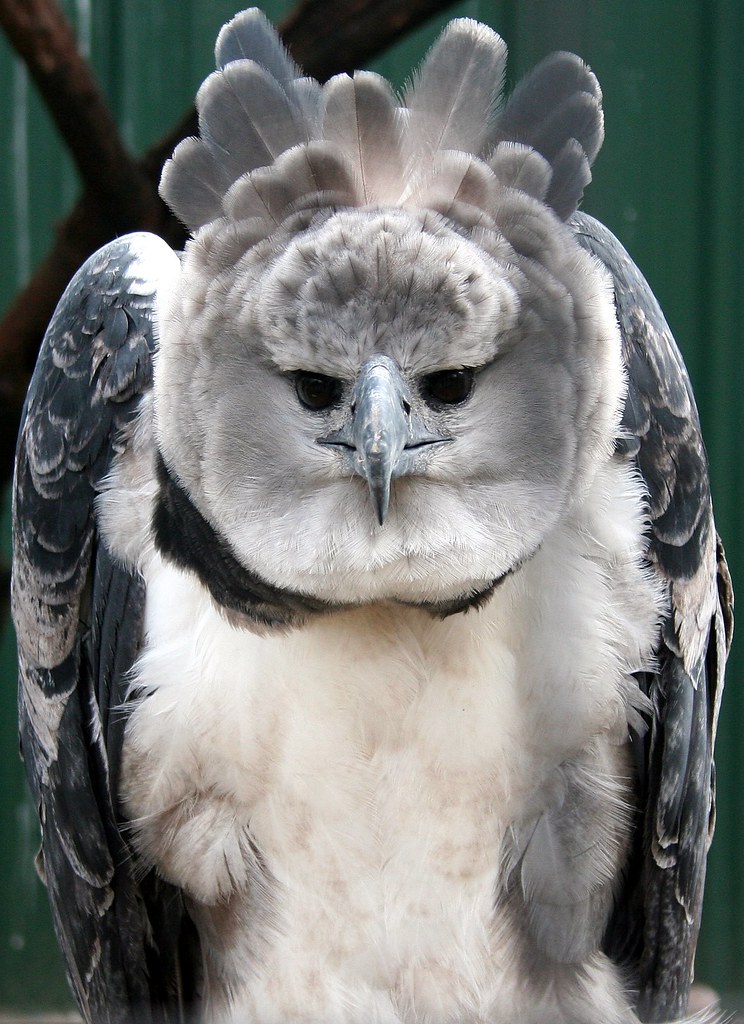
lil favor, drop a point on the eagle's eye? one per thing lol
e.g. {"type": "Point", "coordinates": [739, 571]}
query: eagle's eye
{"type": "Point", "coordinates": [316, 391]}
{"type": "Point", "coordinates": [448, 387]}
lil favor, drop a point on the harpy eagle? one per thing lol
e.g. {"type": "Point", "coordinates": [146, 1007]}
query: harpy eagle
{"type": "Point", "coordinates": [370, 611]}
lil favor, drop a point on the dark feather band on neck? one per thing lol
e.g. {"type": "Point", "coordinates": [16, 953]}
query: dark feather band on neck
{"type": "Point", "coordinates": [183, 536]}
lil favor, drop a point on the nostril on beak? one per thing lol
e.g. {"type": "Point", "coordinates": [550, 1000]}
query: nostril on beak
{"type": "Point", "coordinates": [406, 406]}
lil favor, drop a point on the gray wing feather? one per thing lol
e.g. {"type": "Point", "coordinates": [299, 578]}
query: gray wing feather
{"type": "Point", "coordinates": [78, 620]}
{"type": "Point", "coordinates": [657, 919]}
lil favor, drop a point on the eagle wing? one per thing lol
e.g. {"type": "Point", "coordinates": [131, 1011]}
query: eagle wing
{"type": "Point", "coordinates": [656, 923]}
{"type": "Point", "coordinates": [78, 617]}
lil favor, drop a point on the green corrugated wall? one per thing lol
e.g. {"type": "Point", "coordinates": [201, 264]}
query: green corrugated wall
{"type": "Point", "coordinates": [668, 182]}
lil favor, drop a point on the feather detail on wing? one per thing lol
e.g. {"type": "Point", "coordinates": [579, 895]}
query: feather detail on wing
{"type": "Point", "coordinates": [78, 617]}
{"type": "Point", "coordinates": [656, 924]}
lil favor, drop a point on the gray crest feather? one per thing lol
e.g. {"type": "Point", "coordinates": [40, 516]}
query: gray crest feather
{"type": "Point", "coordinates": [545, 96]}
{"type": "Point", "coordinates": [361, 117]}
{"type": "Point", "coordinates": [453, 96]}
{"type": "Point", "coordinates": [251, 35]}
{"type": "Point", "coordinates": [193, 184]}
{"type": "Point", "coordinates": [251, 110]}
{"type": "Point", "coordinates": [247, 118]}
{"type": "Point", "coordinates": [456, 181]}
{"type": "Point", "coordinates": [557, 111]}
{"type": "Point", "coordinates": [519, 166]}
{"type": "Point", "coordinates": [571, 175]}
{"type": "Point", "coordinates": [425, 153]}
{"type": "Point", "coordinates": [304, 176]}
{"type": "Point", "coordinates": [307, 95]}
{"type": "Point", "coordinates": [263, 195]}
{"type": "Point", "coordinates": [579, 117]}
{"type": "Point", "coordinates": [246, 121]}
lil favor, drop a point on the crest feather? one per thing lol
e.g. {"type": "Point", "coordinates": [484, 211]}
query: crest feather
{"type": "Point", "coordinates": [453, 97]}
{"type": "Point", "coordinates": [251, 35]}
{"type": "Point", "coordinates": [307, 96]}
{"type": "Point", "coordinates": [363, 148]}
{"type": "Point", "coordinates": [311, 175]}
{"type": "Point", "coordinates": [557, 100]}
{"type": "Point", "coordinates": [571, 175]}
{"type": "Point", "coordinates": [557, 111]}
{"type": "Point", "coordinates": [247, 117]}
{"type": "Point", "coordinates": [361, 118]}
{"type": "Point", "coordinates": [193, 183]}
{"type": "Point", "coordinates": [252, 109]}
{"type": "Point", "coordinates": [455, 178]}
{"type": "Point", "coordinates": [519, 166]}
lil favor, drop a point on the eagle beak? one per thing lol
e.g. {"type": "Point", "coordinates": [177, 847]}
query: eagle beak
{"type": "Point", "coordinates": [381, 413]}
{"type": "Point", "coordinates": [382, 436]}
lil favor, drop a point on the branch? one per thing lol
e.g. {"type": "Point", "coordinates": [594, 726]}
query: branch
{"type": "Point", "coordinates": [44, 38]}
{"type": "Point", "coordinates": [324, 36]}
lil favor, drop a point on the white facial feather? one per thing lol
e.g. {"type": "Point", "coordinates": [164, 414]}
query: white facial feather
{"type": "Point", "coordinates": [542, 417]}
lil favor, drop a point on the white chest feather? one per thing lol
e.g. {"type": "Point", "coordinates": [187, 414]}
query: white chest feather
{"type": "Point", "coordinates": [344, 803]}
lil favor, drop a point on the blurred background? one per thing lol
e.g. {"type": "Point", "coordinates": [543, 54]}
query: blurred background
{"type": "Point", "coordinates": [667, 182]}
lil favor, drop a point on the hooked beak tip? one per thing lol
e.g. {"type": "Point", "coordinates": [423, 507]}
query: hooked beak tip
{"type": "Point", "coordinates": [378, 475]}
{"type": "Point", "coordinates": [381, 508]}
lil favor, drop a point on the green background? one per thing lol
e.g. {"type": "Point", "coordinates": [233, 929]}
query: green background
{"type": "Point", "coordinates": [668, 182]}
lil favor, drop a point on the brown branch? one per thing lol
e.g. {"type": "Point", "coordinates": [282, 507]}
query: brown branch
{"type": "Point", "coordinates": [44, 38]}
{"type": "Point", "coordinates": [326, 37]}
{"type": "Point", "coordinates": [121, 192]}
